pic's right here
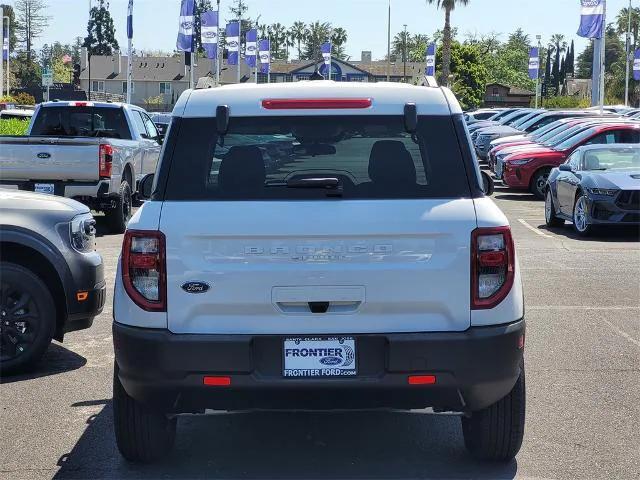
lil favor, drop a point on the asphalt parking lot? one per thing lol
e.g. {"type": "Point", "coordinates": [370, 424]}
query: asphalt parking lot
{"type": "Point", "coordinates": [583, 388]}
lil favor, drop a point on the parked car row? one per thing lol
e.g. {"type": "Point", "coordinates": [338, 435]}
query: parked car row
{"type": "Point", "coordinates": [585, 164]}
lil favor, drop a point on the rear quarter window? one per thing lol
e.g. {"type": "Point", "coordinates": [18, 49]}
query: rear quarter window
{"type": "Point", "coordinates": [261, 158]}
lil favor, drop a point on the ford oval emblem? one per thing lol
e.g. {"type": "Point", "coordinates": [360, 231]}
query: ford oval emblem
{"type": "Point", "coordinates": [196, 287]}
{"type": "Point", "coordinates": [331, 361]}
{"type": "Point", "coordinates": [44, 155]}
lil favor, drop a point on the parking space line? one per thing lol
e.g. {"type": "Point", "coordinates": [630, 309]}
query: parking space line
{"type": "Point", "coordinates": [534, 229]}
{"type": "Point", "coordinates": [622, 333]}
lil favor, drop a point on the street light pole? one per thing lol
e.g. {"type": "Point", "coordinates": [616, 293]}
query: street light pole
{"type": "Point", "coordinates": [628, 53]}
{"type": "Point", "coordinates": [8, 48]}
{"type": "Point", "coordinates": [389, 44]}
{"type": "Point", "coordinates": [404, 54]}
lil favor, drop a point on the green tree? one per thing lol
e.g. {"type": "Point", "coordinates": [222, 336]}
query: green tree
{"type": "Point", "coordinates": [30, 23]}
{"type": "Point", "coordinates": [519, 40]}
{"type": "Point", "coordinates": [297, 34]}
{"type": "Point", "coordinates": [278, 36]}
{"type": "Point", "coordinates": [101, 33]}
{"type": "Point", "coordinates": [558, 46]}
{"type": "Point", "coordinates": [27, 72]}
{"type": "Point", "coordinates": [339, 38]}
{"type": "Point", "coordinates": [401, 41]}
{"type": "Point", "coordinates": [470, 75]}
{"type": "Point", "coordinates": [447, 6]}
{"type": "Point", "coordinates": [622, 23]}
{"type": "Point", "coordinates": [315, 35]}
{"type": "Point", "coordinates": [614, 51]}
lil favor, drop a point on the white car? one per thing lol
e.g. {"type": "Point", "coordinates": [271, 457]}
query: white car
{"type": "Point", "coordinates": [363, 268]}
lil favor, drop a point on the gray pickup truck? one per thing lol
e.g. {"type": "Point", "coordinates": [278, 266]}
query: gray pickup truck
{"type": "Point", "coordinates": [92, 152]}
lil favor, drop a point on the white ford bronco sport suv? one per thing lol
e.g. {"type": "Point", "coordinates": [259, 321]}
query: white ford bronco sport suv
{"type": "Point", "coordinates": [318, 246]}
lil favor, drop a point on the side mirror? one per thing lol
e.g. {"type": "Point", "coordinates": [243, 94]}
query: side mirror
{"type": "Point", "coordinates": [565, 167]}
{"type": "Point", "coordinates": [146, 187]}
{"type": "Point", "coordinates": [488, 186]}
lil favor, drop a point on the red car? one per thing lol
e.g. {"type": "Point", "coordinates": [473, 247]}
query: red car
{"type": "Point", "coordinates": [529, 169]}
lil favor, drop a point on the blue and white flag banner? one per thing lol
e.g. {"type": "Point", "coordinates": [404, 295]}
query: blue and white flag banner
{"type": "Point", "coordinates": [130, 20]}
{"type": "Point", "coordinates": [325, 49]}
{"type": "Point", "coordinates": [251, 47]}
{"type": "Point", "coordinates": [534, 63]}
{"type": "Point", "coordinates": [209, 33]}
{"type": "Point", "coordinates": [264, 52]}
{"type": "Point", "coordinates": [636, 65]}
{"type": "Point", "coordinates": [185, 31]}
{"type": "Point", "coordinates": [233, 43]}
{"type": "Point", "coordinates": [430, 71]}
{"type": "Point", "coordinates": [5, 44]}
{"type": "Point", "coordinates": [592, 16]}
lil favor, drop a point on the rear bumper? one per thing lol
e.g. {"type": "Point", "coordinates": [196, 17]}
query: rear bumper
{"type": "Point", "coordinates": [95, 194]}
{"type": "Point", "coordinates": [474, 369]}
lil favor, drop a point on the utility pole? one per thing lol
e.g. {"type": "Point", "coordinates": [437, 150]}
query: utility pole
{"type": "Point", "coordinates": [389, 44]}
{"type": "Point", "coordinates": [404, 54]}
{"type": "Point", "coordinates": [538, 37]}
{"type": "Point", "coordinates": [603, 57]}
{"type": "Point", "coordinates": [628, 53]}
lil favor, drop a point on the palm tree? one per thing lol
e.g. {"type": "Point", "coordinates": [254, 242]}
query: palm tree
{"type": "Point", "coordinates": [622, 21]}
{"type": "Point", "coordinates": [315, 35]}
{"type": "Point", "coordinates": [447, 6]}
{"type": "Point", "coordinates": [297, 32]}
{"type": "Point", "coordinates": [338, 39]}
{"type": "Point", "coordinates": [278, 37]}
{"type": "Point", "coordinates": [400, 41]}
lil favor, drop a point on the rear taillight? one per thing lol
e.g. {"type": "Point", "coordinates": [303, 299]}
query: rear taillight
{"type": "Point", "coordinates": [105, 160]}
{"type": "Point", "coordinates": [144, 269]}
{"type": "Point", "coordinates": [492, 266]}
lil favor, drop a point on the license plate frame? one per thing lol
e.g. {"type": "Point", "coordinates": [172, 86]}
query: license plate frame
{"type": "Point", "coordinates": [319, 357]}
{"type": "Point", "coordinates": [48, 188]}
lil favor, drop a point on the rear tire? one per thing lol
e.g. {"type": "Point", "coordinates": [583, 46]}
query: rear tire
{"type": "Point", "coordinates": [142, 434]}
{"type": "Point", "coordinates": [28, 316]}
{"type": "Point", "coordinates": [496, 432]}
{"type": "Point", "coordinates": [118, 217]}
{"type": "Point", "coordinates": [550, 217]}
{"type": "Point", "coordinates": [539, 183]}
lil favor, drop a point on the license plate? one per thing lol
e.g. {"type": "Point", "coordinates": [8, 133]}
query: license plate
{"type": "Point", "coordinates": [44, 188]}
{"type": "Point", "coordinates": [319, 357]}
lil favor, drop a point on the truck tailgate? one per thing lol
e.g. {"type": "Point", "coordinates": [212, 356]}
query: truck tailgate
{"type": "Point", "coordinates": [49, 158]}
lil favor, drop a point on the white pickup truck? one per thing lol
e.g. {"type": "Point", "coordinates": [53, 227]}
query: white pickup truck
{"type": "Point", "coordinates": [318, 245]}
{"type": "Point", "coordinates": [90, 151]}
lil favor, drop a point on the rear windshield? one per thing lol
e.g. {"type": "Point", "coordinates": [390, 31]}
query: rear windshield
{"type": "Point", "coordinates": [302, 158]}
{"type": "Point", "coordinates": [81, 122]}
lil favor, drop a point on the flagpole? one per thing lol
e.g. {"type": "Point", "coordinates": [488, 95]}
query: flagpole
{"type": "Point", "coordinates": [218, 48]}
{"type": "Point", "coordinates": [389, 44]}
{"type": "Point", "coordinates": [603, 56]}
{"type": "Point", "coordinates": [129, 50]}
{"type": "Point", "coordinates": [239, 41]}
{"type": "Point", "coordinates": [628, 53]}
{"type": "Point", "coordinates": [538, 37]}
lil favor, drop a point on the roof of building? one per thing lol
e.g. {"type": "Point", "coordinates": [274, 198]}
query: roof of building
{"type": "Point", "coordinates": [513, 90]}
{"type": "Point", "coordinates": [387, 98]}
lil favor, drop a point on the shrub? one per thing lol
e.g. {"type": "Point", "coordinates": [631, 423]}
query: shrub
{"type": "Point", "coordinates": [14, 126]}
{"type": "Point", "coordinates": [566, 102]}
{"type": "Point", "coordinates": [24, 99]}
{"type": "Point", "coordinates": [7, 99]}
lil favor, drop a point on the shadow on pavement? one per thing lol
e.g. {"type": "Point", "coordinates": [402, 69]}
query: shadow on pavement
{"type": "Point", "coordinates": [291, 445]}
{"type": "Point", "coordinates": [605, 234]}
{"type": "Point", "coordinates": [57, 359]}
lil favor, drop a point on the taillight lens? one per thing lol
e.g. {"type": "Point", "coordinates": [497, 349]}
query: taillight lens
{"type": "Point", "coordinates": [492, 266]}
{"type": "Point", "coordinates": [105, 160]}
{"type": "Point", "coordinates": [144, 270]}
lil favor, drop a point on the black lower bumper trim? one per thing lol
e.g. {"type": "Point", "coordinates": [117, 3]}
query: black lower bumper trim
{"type": "Point", "coordinates": [87, 310]}
{"type": "Point", "coordinates": [474, 369]}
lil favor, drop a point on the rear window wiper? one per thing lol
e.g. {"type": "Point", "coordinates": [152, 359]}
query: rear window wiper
{"type": "Point", "coordinates": [332, 185]}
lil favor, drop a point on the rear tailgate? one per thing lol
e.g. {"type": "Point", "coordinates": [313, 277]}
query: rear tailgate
{"type": "Point", "coordinates": [49, 158]}
{"type": "Point", "coordinates": [387, 266]}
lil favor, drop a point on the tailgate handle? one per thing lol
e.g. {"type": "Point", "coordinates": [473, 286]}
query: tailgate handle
{"type": "Point", "coordinates": [318, 307]}
{"type": "Point", "coordinates": [318, 299]}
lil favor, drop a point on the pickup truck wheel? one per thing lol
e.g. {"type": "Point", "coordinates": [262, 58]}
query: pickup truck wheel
{"type": "Point", "coordinates": [539, 183]}
{"type": "Point", "coordinates": [27, 318]}
{"type": "Point", "coordinates": [495, 433]}
{"type": "Point", "coordinates": [142, 434]}
{"type": "Point", "coordinates": [118, 217]}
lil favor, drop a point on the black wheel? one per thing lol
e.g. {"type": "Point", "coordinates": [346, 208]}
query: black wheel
{"type": "Point", "coordinates": [142, 434]}
{"type": "Point", "coordinates": [487, 184]}
{"type": "Point", "coordinates": [118, 217]}
{"type": "Point", "coordinates": [496, 432]}
{"type": "Point", "coordinates": [539, 183]}
{"type": "Point", "coordinates": [581, 217]}
{"type": "Point", "coordinates": [27, 318]}
{"type": "Point", "coordinates": [550, 211]}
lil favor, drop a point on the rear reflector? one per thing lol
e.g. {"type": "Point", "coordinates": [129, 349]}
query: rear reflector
{"type": "Point", "coordinates": [217, 381]}
{"type": "Point", "coordinates": [315, 103]}
{"type": "Point", "coordinates": [421, 379]}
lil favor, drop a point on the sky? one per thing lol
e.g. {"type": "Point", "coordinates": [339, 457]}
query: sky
{"type": "Point", "coordinates": [156, 21]}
